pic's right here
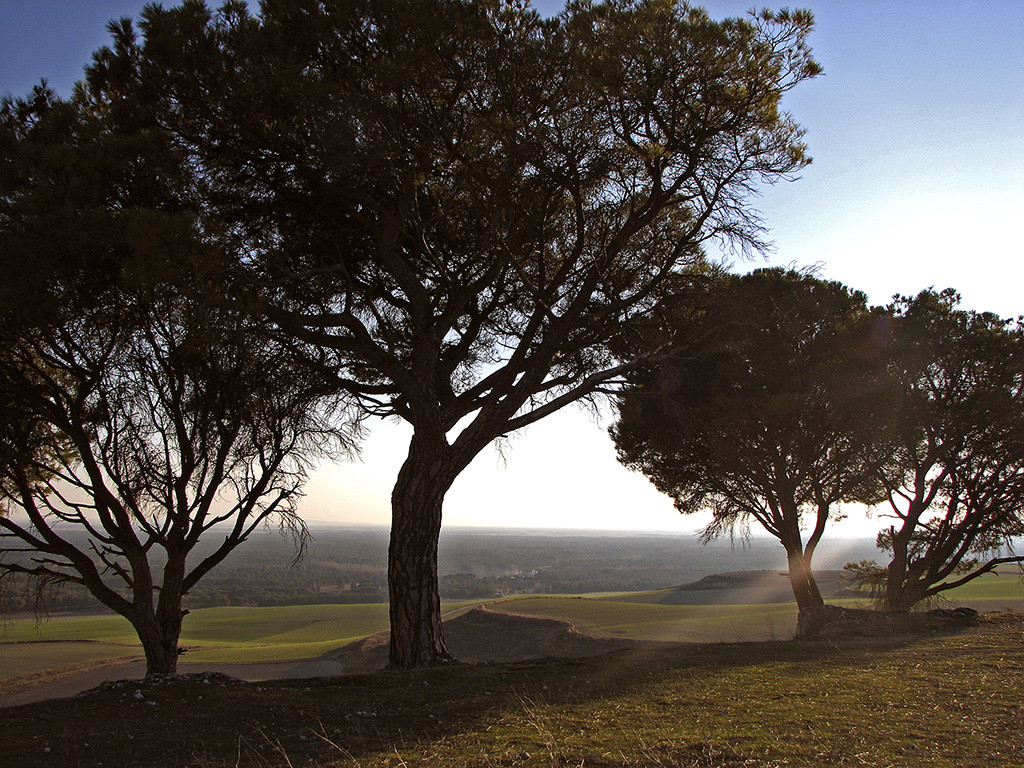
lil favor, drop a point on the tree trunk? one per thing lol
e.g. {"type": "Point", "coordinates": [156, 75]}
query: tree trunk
{"type": "Point", "coordinates": [160, 643]}
{"type": "Point", "coordinates": [896, 596]}
{"type": "Point", "coordinates": [903, 588]}
{"type": "Point", "coordinates": [805, 588]}
{"type": "Point", "coordinates": [416, 634]}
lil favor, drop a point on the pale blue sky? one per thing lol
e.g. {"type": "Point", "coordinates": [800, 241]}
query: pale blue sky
{"type": "Point", "coordinates": [917, 181]}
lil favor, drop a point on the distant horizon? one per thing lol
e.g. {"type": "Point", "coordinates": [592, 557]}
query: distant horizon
{"type": "Point", "coordinates": [757, 535]}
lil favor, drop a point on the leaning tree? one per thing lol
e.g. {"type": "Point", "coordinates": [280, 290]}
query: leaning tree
{"type": "Point", "coordinates": [765, 413]}
{"type": "Point", "coordinates": [953, 464]}
{"type": "Point", "coordinates": [452, 205]}
{"type": "Point", "coordinates": [135, 419]}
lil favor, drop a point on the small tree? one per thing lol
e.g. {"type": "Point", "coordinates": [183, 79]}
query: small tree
{"type": "Point", "coordinates": [454, 204]}
{"type": "Point", "coordinates": [765, 415]}
{"type": "Point", "coordinates": [953, 470]}
{"type": "Point", "coordinates": [181, 429]}
{"type": "Point", "coordinates": [131, 413]}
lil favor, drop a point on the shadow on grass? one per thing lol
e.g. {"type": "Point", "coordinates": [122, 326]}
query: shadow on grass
{"type": "Point", "coordinates": [213, 722]}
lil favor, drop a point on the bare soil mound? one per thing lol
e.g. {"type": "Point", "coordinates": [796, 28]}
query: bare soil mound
{"type": "Point", "coordinates": [833, 621]}
{"type": "Point", "coordinates": [483, 635]}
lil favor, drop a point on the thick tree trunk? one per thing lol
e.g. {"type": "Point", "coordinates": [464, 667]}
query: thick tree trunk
{"type": "Point", "coordinates": [894, 578]}
{"type": "Point", "coordinates": [801, 578]}
{"type": "Point", "coordinates": [898, 595]}
{"type": "Point", "coordinates": [805, 588]}
{"type": "Point", "coordinates": [902, 599]}
{"type": "Point", "coordinates": [902, 589]}
{"type": "Point", "coordinates": [160, 643]}
{"type": "Point", "coordinates": [416, 634]}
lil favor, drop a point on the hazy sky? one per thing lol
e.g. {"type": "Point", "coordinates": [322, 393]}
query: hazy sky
{"type": "Point", "coordinates": [917, 134]}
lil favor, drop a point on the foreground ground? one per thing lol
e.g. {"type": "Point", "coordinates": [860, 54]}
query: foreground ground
{"type": "Point", "coordinates": [936, 701]}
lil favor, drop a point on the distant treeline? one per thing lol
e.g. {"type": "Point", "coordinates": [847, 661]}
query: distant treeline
{"type": "Point", "coordinates": [347, 566]}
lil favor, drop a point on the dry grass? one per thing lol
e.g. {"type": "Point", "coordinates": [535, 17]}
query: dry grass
{"type": "Point", "coordinates": [939, 701]}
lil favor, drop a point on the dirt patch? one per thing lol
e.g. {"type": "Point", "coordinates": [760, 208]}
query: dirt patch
{"type": "Point", "coordinates": [833, 621]}
{"type": "Point", "coordinates": [483, 635]}
{"type": "Point", "coordinates": [70, 682]}
{"type": "Point", "coordinates": [66, 681]}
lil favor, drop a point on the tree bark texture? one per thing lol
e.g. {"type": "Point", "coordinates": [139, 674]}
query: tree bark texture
{"type": "Point", "coordinates": [417, 638]}
{"type": "Point", "coordinates": [160, 643]}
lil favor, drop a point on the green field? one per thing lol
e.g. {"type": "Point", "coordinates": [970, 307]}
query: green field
{"type": "Point", "coordinates": [211, 635]}
{"type": "Point", "coordinates": [992, 592]}
{"type": "Point", "coordinates": [288, 633]}
{"type": "Point", "coordinates": [650, 621]}
{"type": "Point", "coordinates": [292, 633]}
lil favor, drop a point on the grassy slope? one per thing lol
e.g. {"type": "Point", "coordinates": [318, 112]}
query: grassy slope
{"type": "Point", "coordinates": [992, 592]}
{"type": "Point", "coordinates": [650, 621]}
{"type": "Point", "coordinates": [941, 702]}
{"type": "Point", "coordinates": [278, 634]}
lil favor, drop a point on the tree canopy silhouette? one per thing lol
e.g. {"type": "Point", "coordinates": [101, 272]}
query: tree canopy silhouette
{"type": "Point", "coordinates": [453, 205]}
{"type": "Point", "coordinates": [132, 412]}
{"type": "Point", "coordinates": [769, 411]}
{"type": "Point", "coordinates": [953, 467]}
